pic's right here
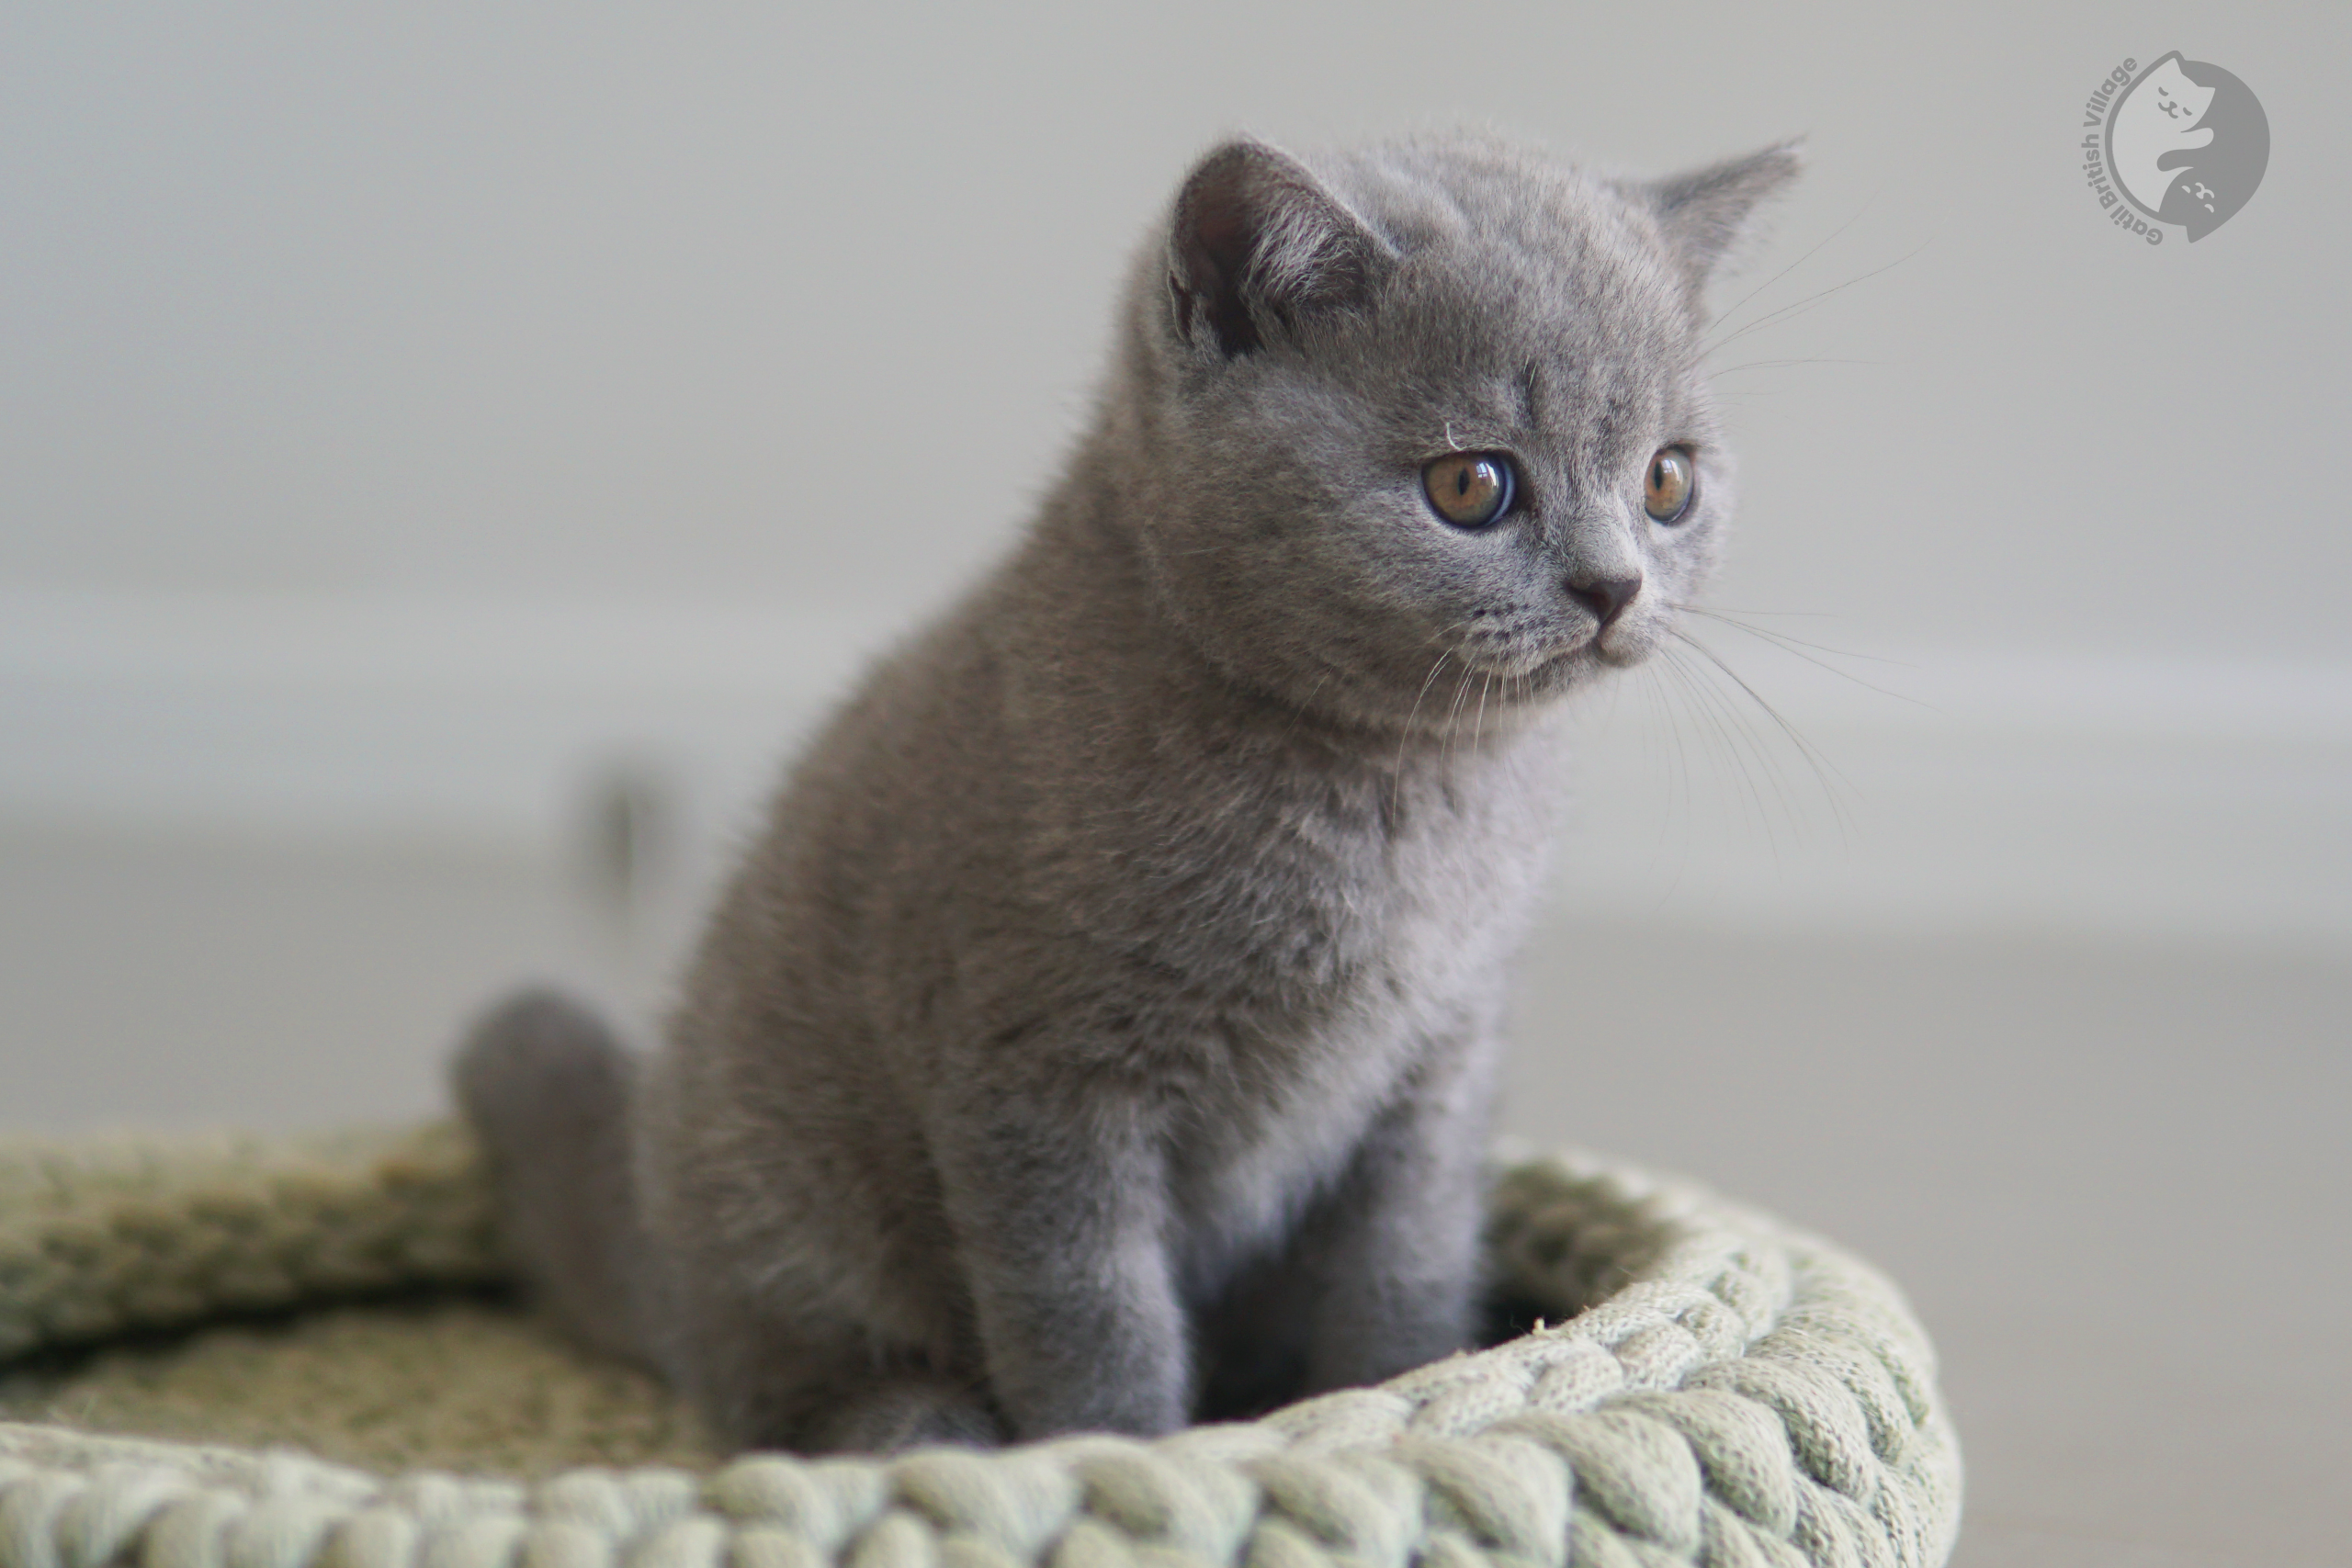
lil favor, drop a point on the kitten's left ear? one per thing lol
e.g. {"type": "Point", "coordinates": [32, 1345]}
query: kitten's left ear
{"type": "Point", "coordinates": [1704, 213]}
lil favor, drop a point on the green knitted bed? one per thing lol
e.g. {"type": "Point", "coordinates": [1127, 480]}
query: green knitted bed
{"type": "Point", "coordinates": [280, 1354]}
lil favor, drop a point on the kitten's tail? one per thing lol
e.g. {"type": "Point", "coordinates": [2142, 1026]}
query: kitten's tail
{"type": "Point", "coordinates": [547, 1088]}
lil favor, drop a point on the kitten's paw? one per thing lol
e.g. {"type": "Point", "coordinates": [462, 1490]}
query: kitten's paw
{"type": "Point", "coordinates": [911, 1411]}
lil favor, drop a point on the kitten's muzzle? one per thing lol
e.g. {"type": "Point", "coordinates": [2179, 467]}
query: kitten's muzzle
{"type": "Point", "coordinates": [1606, 597]}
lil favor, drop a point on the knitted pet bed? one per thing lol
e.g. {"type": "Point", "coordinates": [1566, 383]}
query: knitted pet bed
{"type": "Point", "coordinates": [1715, 1388]}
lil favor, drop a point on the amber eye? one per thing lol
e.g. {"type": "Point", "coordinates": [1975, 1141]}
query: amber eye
{"type": "Point", "coordinates": [1666, 489]}
{"type": "Point", "coordinates": [1469, 489]}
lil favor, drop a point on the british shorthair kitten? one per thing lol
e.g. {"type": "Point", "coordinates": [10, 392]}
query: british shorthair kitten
{"type": "Point", "coordinates": [1103, 1034]}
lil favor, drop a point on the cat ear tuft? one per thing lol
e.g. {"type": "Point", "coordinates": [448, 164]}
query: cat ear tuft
{"type": "Point", "coordinates": [1705, 213]}
{"type": "Point", "coordinates": [1257, 245]}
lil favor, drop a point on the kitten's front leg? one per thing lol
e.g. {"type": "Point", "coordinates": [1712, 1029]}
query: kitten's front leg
{"type": "Point", "coordinates": [1060, 1203]}
{"type": "Point", "coordinates": [1393, 1252]}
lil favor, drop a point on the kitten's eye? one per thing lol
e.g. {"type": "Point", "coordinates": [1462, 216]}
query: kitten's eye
{"type": "Point", "coordinates": [1666, 491]}
{"type": "Point", "coordinates": [1469, 489]}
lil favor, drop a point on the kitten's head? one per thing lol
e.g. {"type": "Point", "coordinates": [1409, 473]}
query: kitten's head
{"type": "Point", "coordinates": [1430, 415]}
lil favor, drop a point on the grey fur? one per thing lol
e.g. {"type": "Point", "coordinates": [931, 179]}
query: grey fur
{"type": "Point", "coordinates": [1103, 1032]}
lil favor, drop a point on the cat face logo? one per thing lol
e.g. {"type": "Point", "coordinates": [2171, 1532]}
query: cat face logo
{"type": "Point", "coordinates": [2187, 143]}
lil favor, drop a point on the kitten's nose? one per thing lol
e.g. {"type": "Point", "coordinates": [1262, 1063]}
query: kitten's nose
{"type": "Point", "coordinates": [1604, 596]}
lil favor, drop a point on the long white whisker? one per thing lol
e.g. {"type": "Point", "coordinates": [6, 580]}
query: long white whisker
{"type": "Point", "coordinates": [1782, 364]}
{"type": "Point", "coordinates": [1795, 648]}
{"type": "Point", "coordinates": [1826, 772]}
{"type": "Point", "coordinates": [1396, 772]}
{"type": "Point", "coordinates": [1729, 311]}
{"type": "Point", "coordinates": [1453, 710]}
{"type": "Point", "coordinates": [1811, 300]}
{"type": "Point", "coordinates": [1722, 733]}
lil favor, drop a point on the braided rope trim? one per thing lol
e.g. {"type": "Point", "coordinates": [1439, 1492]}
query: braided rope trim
{"type": "Point", "coordinates": [1740, 1395]}
{"type": "Point", "coordinates": [112, 1236]}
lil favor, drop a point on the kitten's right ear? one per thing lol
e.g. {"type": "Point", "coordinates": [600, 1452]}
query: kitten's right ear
{"type": "Point", "coordinates": [1257, 245]}
{"type": "Point", "coordinates": [1705, 213]}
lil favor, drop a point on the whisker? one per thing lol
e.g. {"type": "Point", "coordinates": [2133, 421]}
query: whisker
{"type": "Point", "coordinates": [1404, 737]}
{"type": "Point", "coordinates": [1795, 648]}
{"type": "Point", "coordinates": [1725, 727]}
{"type": "Point", "coordinates": [1735, 618]}
{"type": "Point", "coordinates": [1778, 614]}
{"type": "Point", "coordinates": [1660, 741]}
{"type": "Point", "coordinates": [1663, 699]}
{"type": "Point", "coordinates": [1735, 748]}
{"type": "Point", "coordinates": [1300, 712]}
{"type": "Point", "coordinates": [1661, 703]}
{"type": "Point", "coordinates": [1727, 311]}
{"type": "Point", "coordinates": [1777, 364]}
{"type": "Point", "coordinates": [1825, 771]}
{"type": "Point", "coordinates": [1743, 726]}
{"type": "Point", "coordinates": [1811, 301]}
{"type": "Point", "coordinates": [1453, 710]}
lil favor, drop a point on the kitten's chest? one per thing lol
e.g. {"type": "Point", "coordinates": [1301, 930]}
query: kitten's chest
{"type": "Point", "coordinates": [1356, 936]}
{"type": "Point", "coordinates": [1274, 1115]}
{"type": "Point", "coordinates": [1305, 895]}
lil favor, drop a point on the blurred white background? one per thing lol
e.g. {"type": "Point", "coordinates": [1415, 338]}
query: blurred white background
{"type": "Point", "coordinates": [447, 452]}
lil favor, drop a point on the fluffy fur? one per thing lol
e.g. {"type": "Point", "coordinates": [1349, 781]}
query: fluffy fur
{"type": "Point", "coordinates": [1103, 1034]}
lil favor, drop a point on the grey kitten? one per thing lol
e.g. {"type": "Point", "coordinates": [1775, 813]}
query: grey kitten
{"type": "Point", "coordinates": [1103, 1034]}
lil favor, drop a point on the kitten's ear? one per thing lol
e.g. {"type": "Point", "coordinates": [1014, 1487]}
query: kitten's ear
{"type": "Point", "coordinates": [1258, 244]}
{"type": "Point", "coordinates": [1705, 212]}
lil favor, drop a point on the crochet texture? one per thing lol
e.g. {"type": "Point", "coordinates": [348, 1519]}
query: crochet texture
{"type": "Point", "coordinates": [1719, 1389]}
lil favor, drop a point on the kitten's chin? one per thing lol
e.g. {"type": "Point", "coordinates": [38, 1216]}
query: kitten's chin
{"type": "Point", "coordinates": [1505, 690]}
{"type": "Point", "coordinates": [1594, 657]}
{"type": "Point", "coordinates": [1557, 674]}
{"type": "Point", "coordinates": [1628, 642]}
{"type": "Point", "coordinates": [1536, 683]}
